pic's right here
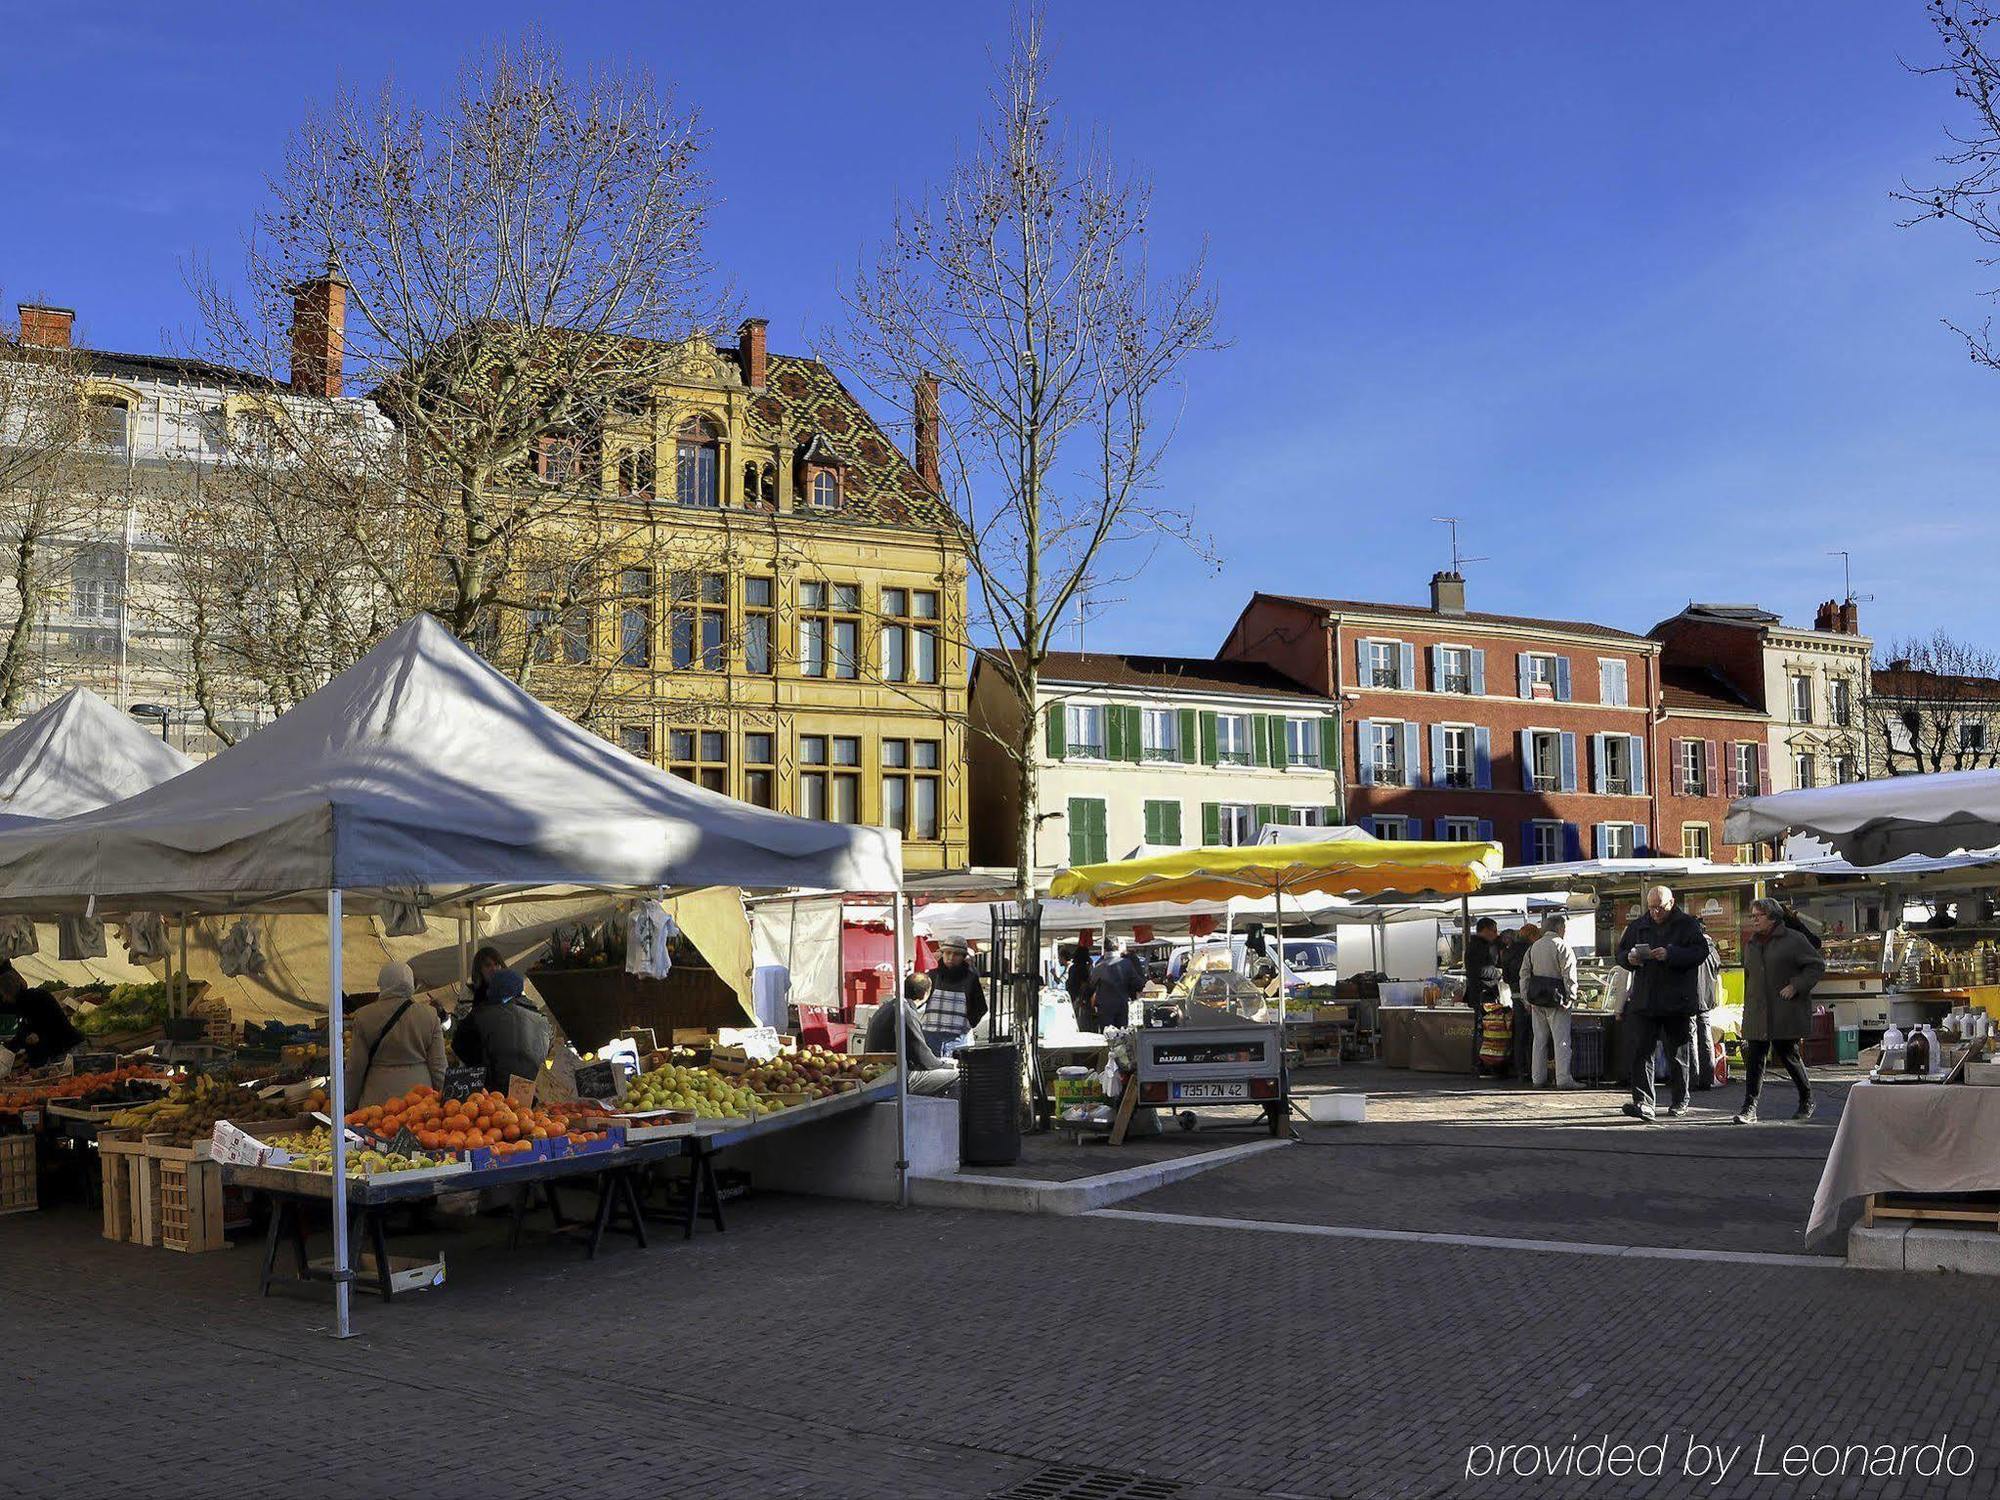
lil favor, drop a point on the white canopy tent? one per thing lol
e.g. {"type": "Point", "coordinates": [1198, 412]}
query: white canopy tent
{"type": "Point", "coordinates": [420, 775]}
{"type": "Point", "coordinates": [1873, 822]}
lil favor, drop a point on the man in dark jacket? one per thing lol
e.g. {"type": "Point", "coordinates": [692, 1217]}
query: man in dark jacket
{"type": "Point", "coordinates": [1118, 982]}
{"type": "Point", "coordinates": [1482, 975]}
{"type": "Point", "coordinates": [46, 1033]}
{"type": "Point", "coordinates": [503, 1033]}
{"type": "Point", "coordinates": [1664, 950]}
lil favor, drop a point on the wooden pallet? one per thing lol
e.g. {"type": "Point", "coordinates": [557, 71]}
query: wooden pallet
{"type": "Point", "coordinates": [19, 1193]}
{"type": "Point", "coordinates": [1940, 1210]}
{"type": "Point", "coordinates": [190, 1205]}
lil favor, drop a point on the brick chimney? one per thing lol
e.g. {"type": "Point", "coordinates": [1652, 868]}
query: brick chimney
{"type": "Point", "coordinates": [1839, 617]}
{"type": "Point", "coordinates": [1827, 617]}
{"type": "Point", "coordinates": [46, 327]}
{"type": "Point", "coordinates": [319, 334]}
{"type": "Point", "coordinates": [924, 409]}
{"type": "Point", "coordinates": [1850, 617]}
{"type": "Point", "coordinates": [1448, 593]}
{"type": "Point", "coordinates": [750, 352]}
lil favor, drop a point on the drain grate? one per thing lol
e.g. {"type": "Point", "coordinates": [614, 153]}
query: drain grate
{"type": "Point", "coordinates": [1067, 1482]}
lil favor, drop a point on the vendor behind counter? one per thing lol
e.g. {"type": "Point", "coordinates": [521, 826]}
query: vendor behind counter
{"type": "Point", "coordinates": [45, 1033]}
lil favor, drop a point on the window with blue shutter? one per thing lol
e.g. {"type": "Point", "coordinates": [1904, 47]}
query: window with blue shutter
{"type": "Point", "coordinates": [1638, 765]}
{"type": "Point", "coordinates": [1409, 666]}
{"type": "Point", "coordinates": [1479, 672]}
{"type": "Point", "coordinates": [1437, 755]}
{"type": "Point", "coordinates": [1526, 745]}
{"type": "Point", "coordinates": [1413, 768]}
{"type": "Point", "coordinates": [1562, 679]}
{"type": "Point", "coordinates": [1599, 771]}
{"type": "Point", "coordinates": [1572, 842]}
{"type": "Point", "coordinates": [1364, 751]}
{"type": "Point", "coordinates": [1482, 759]}
{"type": "Point", "coordinates": [1435, 656]}
{"type": "Point", "coordinates": [1529, 854]}
{"type": "Point", "coordinates": [1642, 843]}
{"type": "Point", "coordinates": [1524, 665]}
{"type": "Point", "coordinates": [1568, 760]}
{"type": "Point", "coordinates": [1485, 830]}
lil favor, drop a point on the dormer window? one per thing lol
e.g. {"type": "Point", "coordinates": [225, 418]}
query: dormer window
{"type": "Point", "coordinates": [826, 490]}
{"type": "Point", "coordinates": [698, 464]}
{"type": "Point", "coordinates": [819, 475]}
{"type": "Point", "coordinates": [760, 487]}
{"type": "Point", "coordinates": [111, 422]}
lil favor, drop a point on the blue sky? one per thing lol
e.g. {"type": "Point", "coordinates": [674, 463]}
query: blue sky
{"type": "Point", "coordinates": [1620, 286]}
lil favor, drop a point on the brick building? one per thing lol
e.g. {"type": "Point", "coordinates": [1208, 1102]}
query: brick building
{"type": "Point", "coordinates": [1710, 744]}
{"type": "Point", "coordinates": [1460, 724]}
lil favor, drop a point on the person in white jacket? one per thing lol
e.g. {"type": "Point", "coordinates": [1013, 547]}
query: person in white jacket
{"type": "Point", "coordinates": [1548, 976]}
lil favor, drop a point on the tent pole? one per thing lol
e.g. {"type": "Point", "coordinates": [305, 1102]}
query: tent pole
{"type": "Point", "coordinates": [1278, 924]}
{"type": "Point", "coordinates": [336, 1092]}
{"type": "Point", "coordinates": [182, 983]}
{"type": "Point", "coordinates": [902, 928]}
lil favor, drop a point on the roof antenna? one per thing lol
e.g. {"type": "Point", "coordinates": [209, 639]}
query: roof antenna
{"type": "Point", "coordinates": [1848, 595]}
{"type": "Point", "coordinates": [1457, 562]}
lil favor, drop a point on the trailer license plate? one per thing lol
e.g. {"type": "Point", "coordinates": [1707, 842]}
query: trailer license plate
{"type": "Point", "coordinates": [1238, 1089]}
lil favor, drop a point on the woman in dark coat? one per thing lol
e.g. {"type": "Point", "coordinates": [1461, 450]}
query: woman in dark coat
{"type": "Point", "coordinates": [1780, 968]}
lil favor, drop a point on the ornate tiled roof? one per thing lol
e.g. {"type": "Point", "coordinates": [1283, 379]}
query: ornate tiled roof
{"type": "Point", "coordinates": [878, 483]}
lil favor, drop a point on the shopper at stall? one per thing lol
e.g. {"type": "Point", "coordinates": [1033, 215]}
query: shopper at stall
{"type": "Point", "coordinates": [45, 1033]}
{"type": "Point", "coordinates": [1548, 976]}
{"type": "Point", "coordinates": [1664, 950]}
{"type": "Point", "coordinates": [485, 964]}
{"type": "Point", "coordinates": [1780, 967]}
{"type": "Point", "coordinates": [1119, 980]}
{"type": "Point", "coordinates": [1482, 976]}
{"type": "Point", "coordinates": [1514, 946]}
{"type": "Point", "coordinates": [957, 1003]}
{"type": "Point", "coordinates": [503, 1033]}
{"type": "Point", "coordinates": [398, 1041]}
{"type": "Point", "coordinates": [1078, 983]}
{"type": "Point", "coordinates": [929, 1073]}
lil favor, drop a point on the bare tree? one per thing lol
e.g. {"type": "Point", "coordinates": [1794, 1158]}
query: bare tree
{"type": "Point", "coordinates": [1935, 706]}
{"type": "Point", "coordinates": [44, 490]}
{"type": "Point", "coordinates": [522, 268]}
{"type": "Point", "coordinates": [1022, 286]}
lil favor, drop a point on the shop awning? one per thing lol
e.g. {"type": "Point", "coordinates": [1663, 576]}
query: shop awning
{"type": "Point", "coordinates": [1336, 869]}
{"type": "Point", "coordinates": [1873, 822]}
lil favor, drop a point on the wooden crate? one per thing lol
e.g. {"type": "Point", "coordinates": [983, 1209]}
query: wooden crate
{"type": "Point", "coordinates": [18, 1191]}
{"type": "Point", "coordinates": [131, 1188]}
{"type": "Point", "coordinates": [1972, 1211]}
{"type": "Point", "coordinates": [190, 1205]}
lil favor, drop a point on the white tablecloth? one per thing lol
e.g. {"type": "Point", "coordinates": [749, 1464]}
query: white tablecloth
{"type": "Point", "coordinates": [1909, 1138]}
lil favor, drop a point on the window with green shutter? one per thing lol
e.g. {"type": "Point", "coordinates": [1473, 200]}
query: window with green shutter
{"type": "Point", "coordinates": [1260, 740]}
{"type": "Point", "coordinates": [1211, 824]}
{"type": "Point", "coordinates": [1329, 744]}
{"type": "Point", "coordinates": [1135, 732]}
{"type": "Point", "coordinates": [1054, 715]}
{"type": "Point", "coordinates": [1163, 823]}
{"type": "Point", "coordinates": [1086, 831]}
{"type": "Point", "coordinates": [1208, 750]}
{"type": "Point", "coordinates": [1114, 732]}
{"type": "Point", "coordinates": [1190, 736]}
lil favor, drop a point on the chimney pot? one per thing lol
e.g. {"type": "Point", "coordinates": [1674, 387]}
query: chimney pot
{"type": "Point", "coordinates": [319, 334]}
{"type": "Point", "coordinates": [1448, 593]}
{"type": "Point", "coordinates": [1850, 618]}
{"type": "Point", "coordinates": [751, 352]}
{"type": "Point", "coordinates": [927, 419]}
{"type": "Point", "coordinates": [1828, 616]}
{"type": "Point", "coordinates": [46, 327]}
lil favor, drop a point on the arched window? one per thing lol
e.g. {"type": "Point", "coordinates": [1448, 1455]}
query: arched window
{"type": "Point", "coordinates": [635, 472]}
{"type": "Point", "coordinates": [111, 422]}
{"type": "Point", "coordinates": [97, 584]}
{"type": "Point", "coordinates": [825, 490]}
{"type": "Point", "coordinates": [697, 467]}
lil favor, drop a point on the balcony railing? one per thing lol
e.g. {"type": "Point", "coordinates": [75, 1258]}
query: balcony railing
{"type": "Point", "coordinates": [1547, 781]}
{"type": "Point", "coordinates": [1618, 786]}
{"type": "Point", "coordinates": [1459, 685]}
{"type": "Point", "coordinates": [1390, 776]}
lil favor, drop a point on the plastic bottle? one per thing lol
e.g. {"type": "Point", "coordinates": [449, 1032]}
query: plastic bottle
{"type": "Point", "coordinates": [1919, 1051]}
{"type": "Point", "coordinates": [1892, 1051]}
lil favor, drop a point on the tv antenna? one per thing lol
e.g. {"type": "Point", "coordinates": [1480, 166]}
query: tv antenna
{"type": "Point", "coordinates": [1457, 562]}
{"type": "Point", "coordinates": [1847, 579]}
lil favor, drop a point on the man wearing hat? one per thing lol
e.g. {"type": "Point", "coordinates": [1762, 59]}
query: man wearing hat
{"type": "Point", "coordinates": [957, 1002]}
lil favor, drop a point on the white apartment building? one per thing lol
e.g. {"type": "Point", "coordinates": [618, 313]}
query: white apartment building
{"type": "Point", "coordinates": [1151, 751]}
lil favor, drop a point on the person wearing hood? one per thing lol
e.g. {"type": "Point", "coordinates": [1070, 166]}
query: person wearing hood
{"type": "Point", "coordinates": [45, 1033]}
{"type": "Point", "coordinates": [502, 1032]}
{"type": "Point", "coordinates": [396, 1041]}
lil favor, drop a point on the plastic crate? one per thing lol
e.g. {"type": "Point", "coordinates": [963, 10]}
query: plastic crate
{"type": "Point", "coordinates": [19, 1192]}
{"type": "Point", "coordinates": [1586, 1049]}
{"type": "Point", "coordinates": [1847, 1044]}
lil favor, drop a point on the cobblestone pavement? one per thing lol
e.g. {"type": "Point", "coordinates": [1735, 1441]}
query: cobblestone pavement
{"type": "Point", "coordinates": [827, 1349]}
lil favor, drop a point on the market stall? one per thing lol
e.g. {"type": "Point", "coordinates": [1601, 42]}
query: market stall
{"type": "Point", "coordinates": [419, 778]}
{"type": "Point", "coordinates": [1277, 871]}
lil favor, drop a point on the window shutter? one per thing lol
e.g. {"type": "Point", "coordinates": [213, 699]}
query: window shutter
{"type": "Point", "coordinates": [1056, 747]}
{"type": "Point", "coordinates": [1674, 763]}
{"type": "Point", "coordinates": [1329, 743]}
{"type": "Point", "coordinates": [1267, 817]}
{"type": "Point", "coordinates": [1211, 823]}
{"type": "Point", "coordinates": [1598, 776]}
{"type": "Point", "coordinates": [1190, 735]}
{"type": "Point", "coordinates": [1413, 756]}
{"type": "Point", "coordinates": [1526, 741]}
{"type": "Point", "coordinates": [1482, 759]}
{"type": "Point", "coordinates": [1437, 755]}
{"type": "Point", "coordinates": [1568, 751]}
{"type": "Point", "coordinates": [1364, 761]}
{"type": "Point", "coordinates": [1152, 822]}
{"type": "Point", "coordinates": [1485, 830]}
{"type": "Point", "coordinates": [1711, 767]}
{"type": "Point", "coordinates": [1114, 732]}
{"type": "Point", "coordinates": [1079, 831]}
{"type": "Point", "coordinates": [1281, 754]}
{"type": "Point", "coordinates": [1526, 675]}
{"type": "Point", "coordinates": [1407, 667]}
{"type": "Point", "coordinates": [1170, 823]}
{"type": "Point", "coordinates": [1260, 740]}
{"type": "Point", "coordinates": [1638, 756]}
{"type": "Point", "coordinates": [1763, 769]}
{"type": "Point", "coordinates": [1528, 842]}
{"type": "Point", "coordinates": [1208, 753]}
{"type": "Point", "coordinates": [1641, 844]}
{"type": "Point", "coordinates": [1434, 660]}
{"type": "Point", "coordinates": [1572, 842]}
{"type": "Point", "coordinates": [1479, 671]}
{"type": "Point", "coordinates": [1602, 834]}
{"type": "Point", "coordinates": [1098, 850]}
{"type": "Point", "coordinates": [1562, 679]}
{"type": "Point", "coordinates": [1363, 668]}
{"type": "Point", "coordinates": [1437, 830]}
{"type": "Point", "coordinates": [1365, 823]}
{"type": "Point", "coordinates": [1604, 684]}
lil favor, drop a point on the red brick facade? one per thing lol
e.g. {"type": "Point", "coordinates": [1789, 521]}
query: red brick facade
{"type": "Point", "coordinates": [1436, 704]}
{"type": "Point", "coordinates": [1729, 763]}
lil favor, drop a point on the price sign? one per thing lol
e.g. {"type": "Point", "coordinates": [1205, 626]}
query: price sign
{"type": "Point", "coordinates": [597, 1081]}
{"type": "Point", "coordinates": [463, 1083]}
{"type": "Point", "coordinates": [230, 1144]}
{"type": "Point", "coordinates": [404, 1143]}
{"type": "Point", "coordinates": [521, 1092]}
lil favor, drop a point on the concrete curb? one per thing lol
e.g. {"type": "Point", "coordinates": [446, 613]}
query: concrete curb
{"type": "Point", "coordinates": [1020, 1195]}
{"type": "Point", "coordinates": [1924, 1248]}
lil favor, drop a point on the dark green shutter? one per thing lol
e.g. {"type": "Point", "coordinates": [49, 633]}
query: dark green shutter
{"type": "Point", "coordinates": [1267, 816]}
{"type": "Point", "coordinates": [1211, 823]}
{"type": "Point", "coordinates": [1055, 731]}
{"type": "Point", "coordinates": [1329, 744]}
{"type": "Point", "coordinates": [1170, 823]}
{"type": "Point", "coordinates": [1280, 756]}
{"type": "Point", "coordinates": [1152, 822]}
{"type": "Point", "coordinates": [1135, 733]}
{"type": "Point", "coordinates": [1190, 735]}
{"type": "Point", "coordinates": [1098, 852]}
{"type": "Point", "coordinates": [1114, 732]}
{"type": "Point", "coordinates": [1086, 831]}
{"type": "Point", "coordinates": [1260, 740]}
{"type": "Point", "coordinates": [1208, 755]}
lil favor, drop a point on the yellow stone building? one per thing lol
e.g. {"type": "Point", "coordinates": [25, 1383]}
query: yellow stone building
{"type": "Point", "coordinates": [785, 620]}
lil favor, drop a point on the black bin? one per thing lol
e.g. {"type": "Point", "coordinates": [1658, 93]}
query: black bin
{"type": "Point", "coordinates": [989, 1105]}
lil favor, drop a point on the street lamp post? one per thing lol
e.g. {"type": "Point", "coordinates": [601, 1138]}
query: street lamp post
{"type": "Point", "coordinates": [158, 711]}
